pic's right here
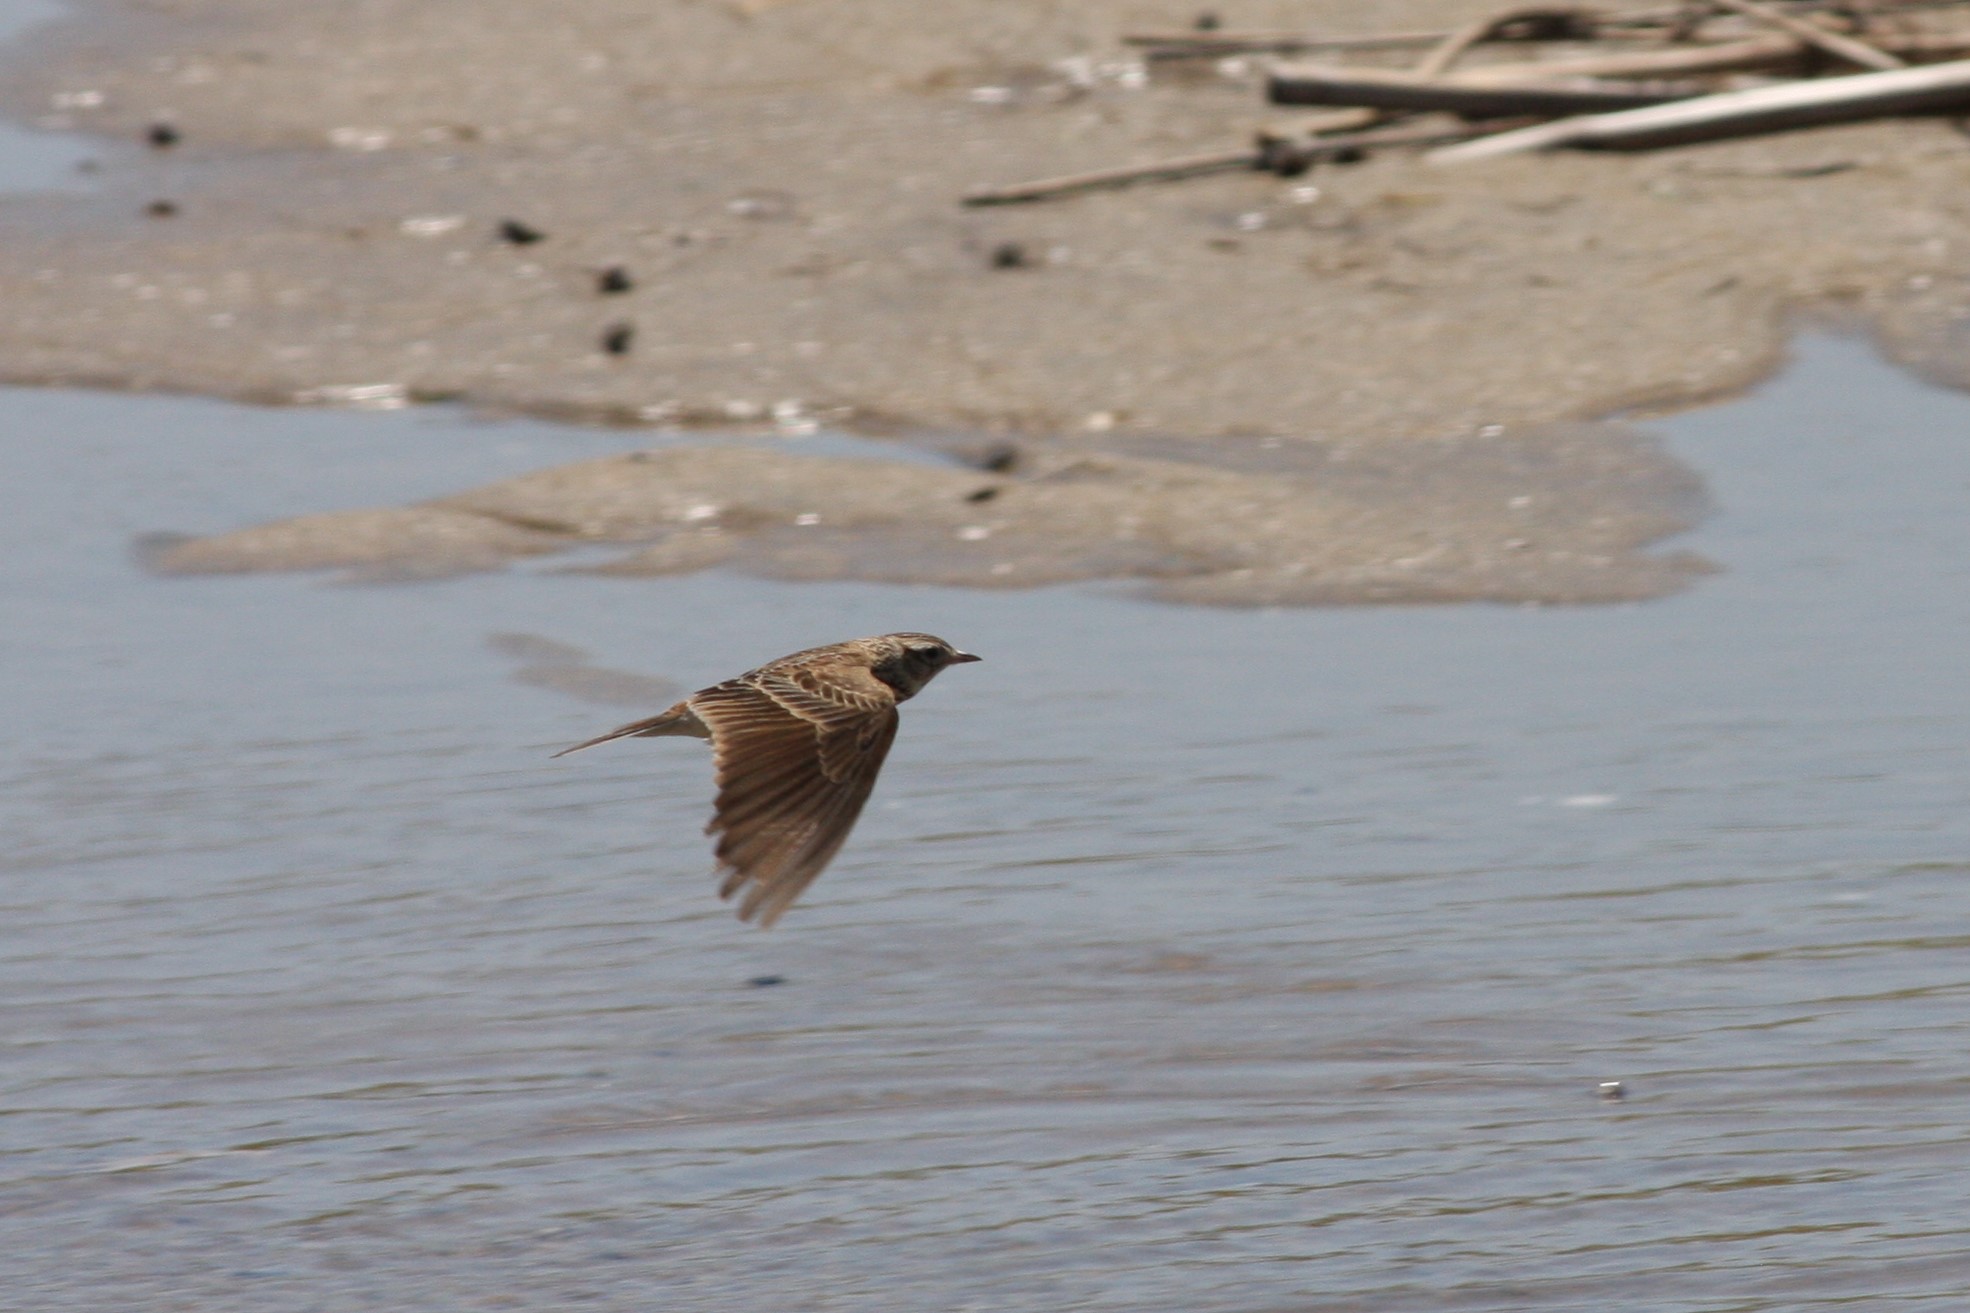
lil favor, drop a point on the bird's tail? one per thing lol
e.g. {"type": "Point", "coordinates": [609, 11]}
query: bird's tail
{"type": "Point", "coordinates": [680, 719]}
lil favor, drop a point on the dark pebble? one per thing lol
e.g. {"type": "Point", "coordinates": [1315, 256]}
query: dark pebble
{"type": "Point", "coordinates": [162, 135]}
{"type": "Point", "coordinates": [983, 494]}
{"type": "Point", "coordinates": [999, 459]}
{"type": "Point", "coordinates": [766, 982]}
{"type": "Point", "coordinates": [613, 280]}
{"type": "Point", "coordinates": [1010, 255]}
{"type": "Point", "coordinates": [161, 209]}
{"type": "Point", "coordinates": [1207, 22]}
{"type": "Point", "coordinates": [512, 230]}
{"type": "Point", "coordinates": [617, 337]}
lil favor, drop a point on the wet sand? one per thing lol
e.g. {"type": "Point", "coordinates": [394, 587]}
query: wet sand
{"type": "Point", "coordinates": [779, 184]}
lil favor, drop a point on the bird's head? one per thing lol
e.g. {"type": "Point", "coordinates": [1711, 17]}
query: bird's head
{"type": "Point", "coordinates": [906, 662]}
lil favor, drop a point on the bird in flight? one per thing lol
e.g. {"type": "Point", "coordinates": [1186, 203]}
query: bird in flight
{"type": "Point", "coordinates": [796, 745]}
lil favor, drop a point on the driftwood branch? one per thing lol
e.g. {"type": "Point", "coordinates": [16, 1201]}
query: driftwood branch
{"type": "Point", "coordinates": [1633, 99]}
{"type": "Point", "coordinates": [1420, 88]}
{"type": "Point", "coordinates": [1841, 47]}
{"type": "Point", "coordinates": [1743, 55]}
{"type": "Point", "coordinates": [1308, 84]}
{"type": "Point", "coordinates": [1549, 85]}
{"type": "Point", "coordinates": [1738, 113]}
{"type": "Point", "coordinates": [1541, 21]}
{"type": "Point", "coordinates": [1211, 45]}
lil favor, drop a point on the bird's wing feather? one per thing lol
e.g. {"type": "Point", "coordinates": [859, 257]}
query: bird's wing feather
{"type": "Point", "coordinates": [679, 719]}
{"type": "Point", "coordinates": [796, 757]}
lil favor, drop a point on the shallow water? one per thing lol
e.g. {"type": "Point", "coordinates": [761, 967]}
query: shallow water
{"type": "Point", "coordinates": [37, 160]}
{"type": "Point", "coordinates": [1187, 959]}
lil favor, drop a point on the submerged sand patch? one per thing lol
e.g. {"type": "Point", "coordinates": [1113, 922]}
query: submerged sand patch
{"type": "Point", "coordinates": [1555, 515]}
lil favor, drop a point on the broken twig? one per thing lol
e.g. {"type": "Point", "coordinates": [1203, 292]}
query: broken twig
{"type": "Point", "coordinates": [1841, 47]}
{"type": "Point", "coordinates": [1544, 22]}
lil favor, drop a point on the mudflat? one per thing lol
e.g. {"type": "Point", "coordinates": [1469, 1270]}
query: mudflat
{"type": "Point", "coordinates": [746, 213]}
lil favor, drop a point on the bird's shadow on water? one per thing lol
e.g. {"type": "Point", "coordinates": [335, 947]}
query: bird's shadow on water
{"type": "Point", "coordinates": [565, 668]}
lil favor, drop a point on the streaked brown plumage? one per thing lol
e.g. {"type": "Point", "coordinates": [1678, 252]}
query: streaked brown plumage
{"type": "Point", "coordinates": [796, 745]}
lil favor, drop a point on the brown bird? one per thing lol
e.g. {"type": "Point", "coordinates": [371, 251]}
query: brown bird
{"type": "Point", "coordinates": [796, 745]}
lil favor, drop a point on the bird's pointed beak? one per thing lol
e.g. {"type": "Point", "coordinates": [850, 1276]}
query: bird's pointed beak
{"type": "Point", "coordinates": [959, 658]}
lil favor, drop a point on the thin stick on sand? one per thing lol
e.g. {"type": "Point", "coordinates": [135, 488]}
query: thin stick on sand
{"type": "Point", "coordinates": [1184, 166]}
{"type": "Point", "coordinates": [1281, 154]}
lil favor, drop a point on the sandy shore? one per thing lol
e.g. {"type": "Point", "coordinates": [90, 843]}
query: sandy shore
{"type": "Point", "coordinates": [778, 183]}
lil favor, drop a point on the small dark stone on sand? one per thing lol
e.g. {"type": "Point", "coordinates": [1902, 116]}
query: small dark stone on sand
{"type": "Point", "coordinates": [1283, 158]}
{"type": "Point", "coordinates": [613, 280]}
{"type": "Point", "coordinates": [983, 494]}
{"type": "Point", "coordinates": [766, 982]}
{"type": "Point", "coordinates": [617, 337]}
{"type": "Point", "coordinates": [162, 135]}
{"type": "Point", "coordinates": [1348, 155]}
{"type": "Point", "coordinates": [161, 209]}
{"type": "Point", "coordinates": [1207, 22]}
{"type": "Point", "coordinates": [1010, 255]}
{"type": "Point", "coordinates": [999, 459]}
{"type": "Point", "coordinates": [520, 234]}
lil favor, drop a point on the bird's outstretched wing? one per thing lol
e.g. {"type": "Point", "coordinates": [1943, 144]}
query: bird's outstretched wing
{"type": "Point", "coordinates": [796, 757]}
